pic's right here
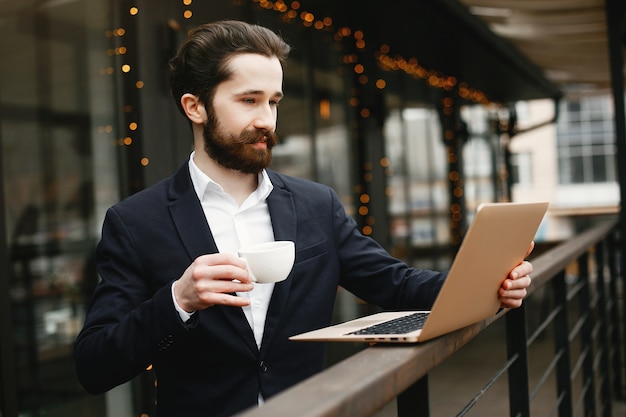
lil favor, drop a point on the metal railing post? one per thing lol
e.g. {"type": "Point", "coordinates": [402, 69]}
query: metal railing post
{"type": "Point", "coordinates": [413, 401]}
{"type": "Point", "coordinates": [516, 337]}
{"type": "Point", "coordinates": [603, 331]}
{"type": "Point", "coordinates": [616, 329]}
{"type": "Point", "coordinates": [587, 348]}
{"type": "Point", "coordinates": [561, 346]}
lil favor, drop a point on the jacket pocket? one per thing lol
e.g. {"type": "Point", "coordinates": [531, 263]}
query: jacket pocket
{"type": "Point", "coordinates": [311, 252]}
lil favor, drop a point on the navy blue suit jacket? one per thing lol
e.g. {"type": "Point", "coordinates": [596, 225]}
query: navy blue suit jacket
{"type": "Point", "coordinates": [211, 364]}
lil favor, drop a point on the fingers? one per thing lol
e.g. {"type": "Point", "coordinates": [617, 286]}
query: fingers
{"type": "Point", "coordinates": [512, 298]}
{"type": "Point", "coordinates": [212, 286]}
{"type": "Point", "coordinates": [510, 284]}
{"type": "Point", "coordinates": [515, 288]}
{"type": "Point", "coordinates": [511, 302]}
{"type": "Point", "coordinates": [513, 291]}
{"type": "Point", "coordinates": [211, 280]}
{"type": "Point", "coordinates": [210, 298]}
{"type": "Point", "coordinates": [219, 275]}
{"type": "Point", "coordinates": [523, 269]}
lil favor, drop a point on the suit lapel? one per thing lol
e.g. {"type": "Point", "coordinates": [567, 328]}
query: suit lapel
{"type": "Point", "coordinates": [190, 221]}
{"type": "Point", "coordinates": [283, 215]}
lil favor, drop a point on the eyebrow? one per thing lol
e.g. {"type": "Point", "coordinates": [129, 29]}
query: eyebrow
{"type": "Point", "coordinates": [278, 94]}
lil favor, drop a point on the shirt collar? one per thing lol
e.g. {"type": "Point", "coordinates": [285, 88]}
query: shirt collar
{"type": "Point", "coordinates": [202, 183]}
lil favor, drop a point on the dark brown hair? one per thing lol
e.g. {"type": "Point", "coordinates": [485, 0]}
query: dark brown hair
{"type": "Point", "coordinates": [201, 62]}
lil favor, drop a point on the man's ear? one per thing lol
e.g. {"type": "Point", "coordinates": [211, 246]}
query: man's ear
{"type": "Point", "coordinates": [193, 108]}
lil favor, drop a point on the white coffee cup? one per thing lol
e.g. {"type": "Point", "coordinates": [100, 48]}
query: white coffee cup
{"type": "Point", "coordinates": [269, 262]}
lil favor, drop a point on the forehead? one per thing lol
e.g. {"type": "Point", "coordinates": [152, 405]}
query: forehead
{"type": "Point", "coordinates": [255, 72]}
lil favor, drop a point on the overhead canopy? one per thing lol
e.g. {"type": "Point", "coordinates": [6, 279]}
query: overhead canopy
{"type": "Point", "coordinates": [567, 39]}
{"type": "Point", "coordinates": [443, 37]}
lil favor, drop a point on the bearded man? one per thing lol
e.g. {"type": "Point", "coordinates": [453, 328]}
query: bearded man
{"type": "Point", "coordinates": [173, 292]}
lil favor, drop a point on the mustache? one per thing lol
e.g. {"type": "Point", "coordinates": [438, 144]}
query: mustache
{"type": "Point", "coordinates": [248, 137]}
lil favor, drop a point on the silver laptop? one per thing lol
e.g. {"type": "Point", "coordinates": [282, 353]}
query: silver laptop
{"type": "Point", "coordinates": [495, 243]}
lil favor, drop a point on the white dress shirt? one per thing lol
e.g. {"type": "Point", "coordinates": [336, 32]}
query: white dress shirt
{"type": "Point", "coordinates": [234, 226]}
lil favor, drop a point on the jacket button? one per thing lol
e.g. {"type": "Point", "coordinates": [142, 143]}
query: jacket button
{"type": "Point", "coordinates": [263, 367]}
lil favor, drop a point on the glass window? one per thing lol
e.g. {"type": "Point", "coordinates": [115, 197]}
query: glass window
{"type": "Point", "coordinates": [522, 169]}
{"type": "Point", "coordinates": [599, 167]}
{"type": "Point", "coordinates": [573, 107]}
{"type": "Point", "coordinates": [584, 138]}
{"type": "Point", "coordinates": [58, 138]}
{"type": "Point", "coordinates": [419, 178]}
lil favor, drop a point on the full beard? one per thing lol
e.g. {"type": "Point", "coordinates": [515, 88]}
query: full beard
{"type": "Point", "coordinates": [235, 152]}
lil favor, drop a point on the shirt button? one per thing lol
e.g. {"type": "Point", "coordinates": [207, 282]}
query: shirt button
{"type": "Point", "coordinates": [263, 367]}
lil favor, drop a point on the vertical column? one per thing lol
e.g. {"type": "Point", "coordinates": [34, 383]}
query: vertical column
{"type": "Point", "coordinates": [371, 162]}
{"type": "Point", "coordinates": [615, 10]}
{"type": "Point", "coordinates": [454, 134]}
{"type": "Point", "coordinates": [8, 392]}
{"type": "Point", "coordinates": [125, 36]}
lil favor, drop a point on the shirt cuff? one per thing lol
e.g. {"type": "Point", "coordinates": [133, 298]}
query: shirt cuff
{"type": "Point", "coordinates": [184, 316]}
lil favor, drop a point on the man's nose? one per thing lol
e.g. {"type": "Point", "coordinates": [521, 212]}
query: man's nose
{"type": "Point", "coordinates": [265, 118]}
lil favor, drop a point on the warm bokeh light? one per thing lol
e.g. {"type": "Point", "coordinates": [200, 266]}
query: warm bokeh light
{"type": "Point", "coordinates": [325, 109]}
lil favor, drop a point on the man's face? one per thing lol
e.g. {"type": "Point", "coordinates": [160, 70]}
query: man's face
{"type": "Point", "coordinates": [239, 131]}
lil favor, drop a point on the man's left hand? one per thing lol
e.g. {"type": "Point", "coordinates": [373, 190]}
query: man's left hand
{"type": "Point", "coordinates": [514, 289]}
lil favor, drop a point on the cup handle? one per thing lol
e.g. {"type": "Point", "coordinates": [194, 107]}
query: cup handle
{"type": "Point", "coordinates": [250, 274]}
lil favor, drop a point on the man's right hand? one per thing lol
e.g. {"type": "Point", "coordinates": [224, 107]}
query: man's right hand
{"type": "Point", "coordinates": [213, 279]}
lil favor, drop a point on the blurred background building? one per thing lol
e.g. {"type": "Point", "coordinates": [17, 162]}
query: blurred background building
{"type": "Point", "coordinates": [415, 113]}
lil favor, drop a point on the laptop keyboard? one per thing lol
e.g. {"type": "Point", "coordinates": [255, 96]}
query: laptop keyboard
{"type": "Point", "coordinates": [400, 325]}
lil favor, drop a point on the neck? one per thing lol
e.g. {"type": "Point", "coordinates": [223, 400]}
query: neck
{"type": "Point", "coordinates": [237, 184]}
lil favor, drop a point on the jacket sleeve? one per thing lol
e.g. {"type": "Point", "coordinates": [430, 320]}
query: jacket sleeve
{"type": "Point", "coordinates": [128, 321]}
{"type": "Point", "coordinates": [371, 273]}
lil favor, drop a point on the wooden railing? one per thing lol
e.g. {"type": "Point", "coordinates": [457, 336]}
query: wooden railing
{"type": "Point", "coordinates": [582, 285]}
